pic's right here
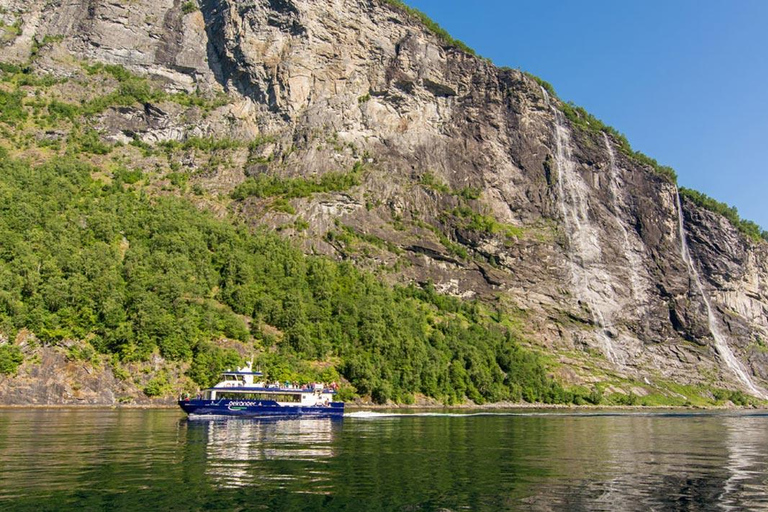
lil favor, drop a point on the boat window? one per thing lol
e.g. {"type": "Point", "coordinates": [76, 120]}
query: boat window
{"type": "Point", "coordinates": [277, 397]}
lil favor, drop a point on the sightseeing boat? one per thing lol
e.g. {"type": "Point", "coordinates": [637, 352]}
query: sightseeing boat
{"type": "Point", "coordinates": [244, 393]}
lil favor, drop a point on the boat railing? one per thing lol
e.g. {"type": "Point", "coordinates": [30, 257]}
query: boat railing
{"type": "Point", "coordinates": [315, 387]}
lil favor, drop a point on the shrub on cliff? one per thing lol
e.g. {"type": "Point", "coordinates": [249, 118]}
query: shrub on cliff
{"type": "Point", "coordinates": [10, 359]}
{"type": "Point", "coordinates": [431, 25]}
{"type": "Point", "coordinates": [11, 109]}
{"type": "Point", "coordinates": [274, 186]}
{"type": "Point", "coordinates": [158, 386]}
{"type": "Point", "coordinates": [749, 228]}
{"type": "Point", "coordinates": [88, 258]}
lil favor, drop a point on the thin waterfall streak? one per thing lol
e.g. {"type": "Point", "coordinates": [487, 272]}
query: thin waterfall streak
{"type": "Point", "coordinates": [633, 260]}
{"type": "Point", "coordinates": [721, 344]}
{"type": "Point", "coordinates": [583, 239]}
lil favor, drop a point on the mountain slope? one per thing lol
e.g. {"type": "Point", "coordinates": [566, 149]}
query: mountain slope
{"type": "Point", "coordinates": [362, 135]}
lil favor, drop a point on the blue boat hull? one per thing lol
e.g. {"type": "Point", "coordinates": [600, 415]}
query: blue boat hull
{"type": "Point", "coordinates": [257, 409]}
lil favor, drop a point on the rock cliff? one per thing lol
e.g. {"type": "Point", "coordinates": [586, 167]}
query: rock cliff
{"type": "Point", "coordinates": [468, 176]}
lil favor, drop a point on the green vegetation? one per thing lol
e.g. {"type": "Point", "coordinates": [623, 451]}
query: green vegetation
{"type": "Point", "coordinates": [189, 7]}
{"type": "Point", "coordinates": [453, 247]}
{"type": "Point", "coordinates": [58, 110]}
{"type": "Point", "coordinates": [11, 110]}
{"type": "Point", "coordinates": [38, 45]}
{"type": "Point", "coordinates": [128, 176]}
{"type": "Point", "coordinates": [21, 76]}
{"type": "Point", "coordinates": [736, 397]}
{"type": "Point", "coordinates": [485, 223]}
{"type": "Point", "coordinates": [88, 141]}
{"type": "Point", "coordinates": [203, 144]}
{"type": "Point", "coordinates": [158, 386]}
{"type": "Point", "coordinates": [281, 204]}
{"type": "Point", "coordinates": [10, 358]}
{"type": "Point", "coordinates": [131, 89]}
{"type": "Point", "coordinates": [431, 25]}
{"type": "Point", "coordinates": [580, 118]}
{"type": "Point", "coordinates": [469, 193]}
{"type": "Point", "coordinates": [288, 188]}
{"type": "Point", "coordinates": [349, 236]}
{"type": "Point", "coordinates": [469, 218]}
{"type": "Point", "coordinates": [749, 228]}
{"type": "Point", "coordinates": [11, 31]}
{"type": "Point", "coordinates": [433, 182]}
{"type": "Point", "coordinates": [209, 361]}
{"type": "Point", "coordinates": [662, 393]}
{"type": "Point", "coordinates": [135, 275]}
{"type": "Point", "coordinates": [542, 83]}
{"type": "Point", "coordinates": [89, 254]}
{"type": "Point", "coordinates": [586, 121]}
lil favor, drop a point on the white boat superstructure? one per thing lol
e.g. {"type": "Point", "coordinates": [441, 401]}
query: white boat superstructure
{"type": "Point", "coordinates": [248, 385]}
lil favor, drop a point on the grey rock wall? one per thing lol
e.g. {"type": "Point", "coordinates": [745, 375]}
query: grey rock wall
{"type": "Point", "coordinates": [346, 81]}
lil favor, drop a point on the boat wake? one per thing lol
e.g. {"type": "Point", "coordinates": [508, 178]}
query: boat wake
{"type": "Point", "coordinates": [373, 415]}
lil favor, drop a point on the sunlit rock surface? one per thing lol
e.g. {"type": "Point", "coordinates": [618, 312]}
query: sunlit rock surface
{"type": "Point", "coordinates": [472, 180]}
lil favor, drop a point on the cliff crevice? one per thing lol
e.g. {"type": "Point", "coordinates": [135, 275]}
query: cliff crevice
{"type": "Point", "coordinates": [468, 177]}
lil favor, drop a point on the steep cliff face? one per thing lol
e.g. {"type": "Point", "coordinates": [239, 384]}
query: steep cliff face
{"type": "Point", "coordinates": [469, 177]}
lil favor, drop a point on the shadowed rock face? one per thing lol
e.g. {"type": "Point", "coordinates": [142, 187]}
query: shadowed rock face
{"type": "Point", "coordinates": [473, 180]}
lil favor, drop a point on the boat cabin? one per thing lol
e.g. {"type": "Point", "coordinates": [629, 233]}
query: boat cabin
{"type": "Point", "coordinates": [248, 385]}
{"type": "Point", "coordinates": [243, 377]}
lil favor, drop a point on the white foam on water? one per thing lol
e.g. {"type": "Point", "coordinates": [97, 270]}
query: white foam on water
{"type": "Point", "coordinates": [371, 415]}
{"type": "Point", "coordinates": [565, 413]}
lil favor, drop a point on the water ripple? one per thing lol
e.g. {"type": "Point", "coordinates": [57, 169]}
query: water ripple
{"type": "Point", "coordinates": [384, 460]}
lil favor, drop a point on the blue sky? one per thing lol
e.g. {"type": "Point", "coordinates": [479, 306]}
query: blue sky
{"type": "Point", "coordinates": [685, 80]}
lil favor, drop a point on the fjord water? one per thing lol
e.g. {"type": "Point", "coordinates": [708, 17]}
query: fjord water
{"type": "Point", "coordinates": [158, 460]}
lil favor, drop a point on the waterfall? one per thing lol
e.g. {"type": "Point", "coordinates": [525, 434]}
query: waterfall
{"type": "Point", "coordinates": [634, 262]}
{"type": "Point", "coordinates": [721, 345]}
{"type": "Point", "coordinates": [589, 279]}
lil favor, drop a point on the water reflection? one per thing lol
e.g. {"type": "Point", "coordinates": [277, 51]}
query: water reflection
{"type": "Point", "coordinates": [747, 483]}
{"type": "Point", "coordinates": [267, 452]}
{"type": "Point", "coordinates": [677, 462]}
{"type": "Point", "coordinates": [123, 460]}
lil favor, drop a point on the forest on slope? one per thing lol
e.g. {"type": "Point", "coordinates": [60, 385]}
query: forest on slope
{"type": "Point", "coordinates": [100, 259]}
{"type": "Point", "coordinates": [110, 243]}
{"type": "Point", "coordinates": [99, 250]}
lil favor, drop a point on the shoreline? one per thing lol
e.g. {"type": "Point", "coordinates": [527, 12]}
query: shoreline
{"type": "Point", "coordinates": [356, 407]}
